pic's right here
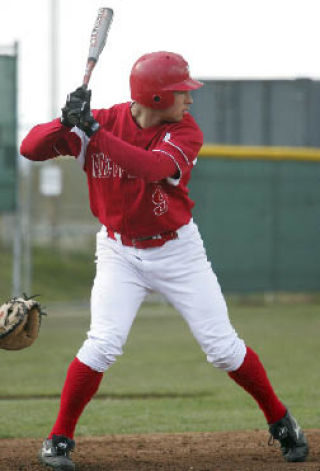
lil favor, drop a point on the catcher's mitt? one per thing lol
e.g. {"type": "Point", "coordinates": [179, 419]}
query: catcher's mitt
{"type": "Point", "coordinates": [20, 320]}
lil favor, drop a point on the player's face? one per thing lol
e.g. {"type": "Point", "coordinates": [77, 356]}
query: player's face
{"type": "Point", "coordinates": [181, 105]}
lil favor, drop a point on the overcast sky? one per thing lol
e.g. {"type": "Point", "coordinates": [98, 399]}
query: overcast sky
{"type": "Point", "coordinates": [220, 39]}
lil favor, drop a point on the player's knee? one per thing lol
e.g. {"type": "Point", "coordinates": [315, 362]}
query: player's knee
{"type": "Point", "coordinates": [99, 355]}
{"type": "Point", "coordinates": [228, 358]}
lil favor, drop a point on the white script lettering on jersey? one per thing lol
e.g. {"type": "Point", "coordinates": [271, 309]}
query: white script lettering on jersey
{"type": "Point", "coordinates": [103, 167]}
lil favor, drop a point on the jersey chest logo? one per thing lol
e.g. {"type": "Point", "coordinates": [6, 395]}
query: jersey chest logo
{"type": "Point", "coordinates": [160, 201]}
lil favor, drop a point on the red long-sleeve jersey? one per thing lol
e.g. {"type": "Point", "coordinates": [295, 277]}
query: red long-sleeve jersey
{"type": "Point", "coordinates": [137, 178]}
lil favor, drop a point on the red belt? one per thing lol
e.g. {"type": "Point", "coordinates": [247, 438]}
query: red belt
{"type": "Point", "coordinates": [143, 242]}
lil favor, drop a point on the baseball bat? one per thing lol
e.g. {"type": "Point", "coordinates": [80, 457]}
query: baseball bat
{"type": "Point", "coordinates": [97, 41]}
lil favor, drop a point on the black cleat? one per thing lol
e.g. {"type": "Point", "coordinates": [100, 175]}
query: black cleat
{"type": "Point", "coordinates": [55, 453]}
{"type": "Point", "coordinates": [294, 445]}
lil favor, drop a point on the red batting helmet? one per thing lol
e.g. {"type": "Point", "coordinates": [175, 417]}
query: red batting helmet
{"type": "Point", "coordinates": [155, 76]}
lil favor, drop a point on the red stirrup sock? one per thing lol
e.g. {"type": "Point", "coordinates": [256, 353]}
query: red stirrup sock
{"type": "Point", "coordinates": [80, 385]}
{"type": "Point", "coordinates": [252, 377]}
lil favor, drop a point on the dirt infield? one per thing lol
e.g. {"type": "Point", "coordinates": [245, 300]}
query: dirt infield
{"type": "Point", "coordinates": [236, 451]}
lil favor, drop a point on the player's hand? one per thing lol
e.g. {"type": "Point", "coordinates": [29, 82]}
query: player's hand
{"type": "Point", "coordinates": [87, 123]}
{"type": "Point", "coordinates": [76, 101]}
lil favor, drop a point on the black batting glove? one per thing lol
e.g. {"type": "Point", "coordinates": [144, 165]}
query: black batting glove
{"type": "Point", "coordinates": [76, 102]}
{"type": "Point", "coordinates": [87, 122]}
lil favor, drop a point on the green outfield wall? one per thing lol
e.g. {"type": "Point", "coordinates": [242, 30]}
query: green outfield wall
{"type": "Point", "coordinates": [257, 184]}
{"type": "Point", "coordinates": [8, 129]}
{"type": "Point", "coordinates": [260, 219]}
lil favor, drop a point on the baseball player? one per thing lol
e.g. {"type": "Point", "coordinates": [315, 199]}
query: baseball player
{"type": "Point", "coordinates": [138, 157]}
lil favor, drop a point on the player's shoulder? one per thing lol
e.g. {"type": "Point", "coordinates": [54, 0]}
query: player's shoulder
{"type": "Point", "coordinates": [189, 119]}
{"type": "Point", "coordinates": [108, 115]}
{"type": "Point", "coordinates": [189, 126]}
{"type": "Point", "coordinates": [192, 123]}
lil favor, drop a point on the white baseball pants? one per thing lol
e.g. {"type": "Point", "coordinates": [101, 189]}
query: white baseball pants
{"type": "Point", "coordinates": [181, 272]}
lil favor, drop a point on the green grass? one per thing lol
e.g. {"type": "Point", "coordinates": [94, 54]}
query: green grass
{"type": "Point", "coordinates": [5, 273]}
{"type": "Point", "coordinates": [57, 275]}
{"type": "Point", "coordinates": [163, 383]}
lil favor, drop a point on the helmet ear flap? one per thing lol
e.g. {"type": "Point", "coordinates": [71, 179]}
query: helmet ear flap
{"type": "Point", "coordinates": [162, 100]}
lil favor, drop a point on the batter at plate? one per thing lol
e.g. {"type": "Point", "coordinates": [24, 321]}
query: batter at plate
{"type": "Point", "coordinates": [138, 157]}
